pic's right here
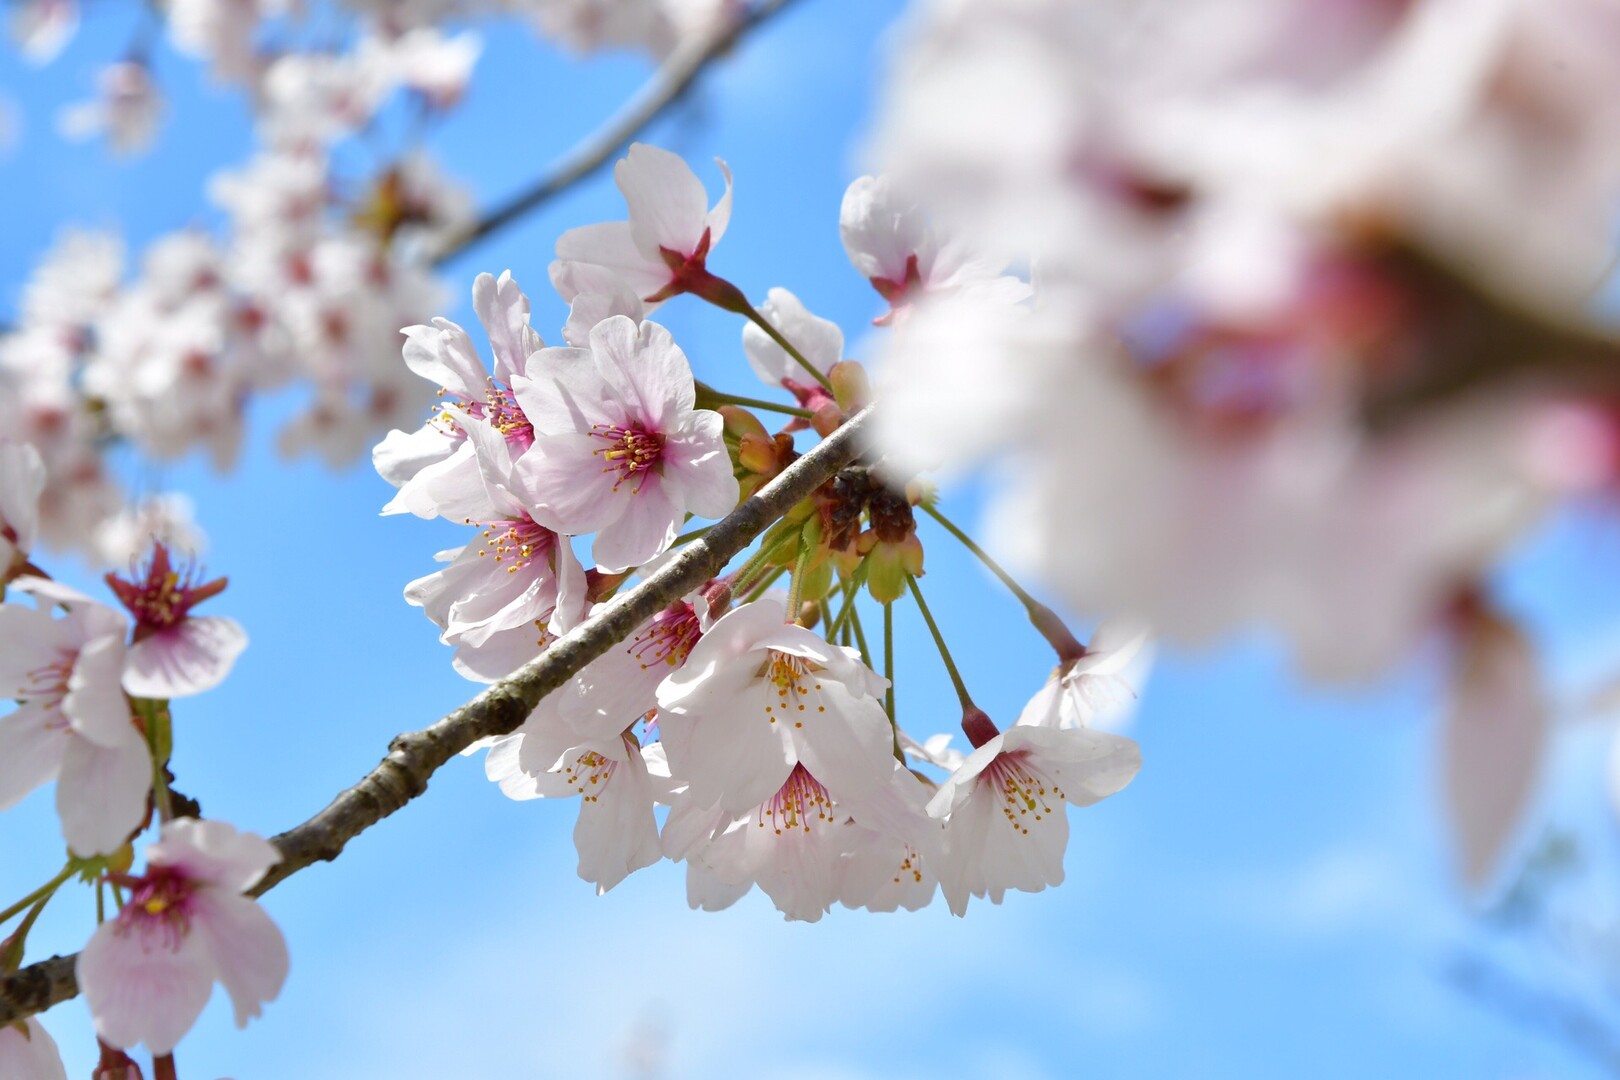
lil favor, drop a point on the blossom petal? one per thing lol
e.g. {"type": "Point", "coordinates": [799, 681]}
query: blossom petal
{"type": "Point", "coordinates": [185, 659]}
{"type": "Point", "coordinates": [101, 793]}
{"type": "Point", "coordinates": [668, 206]}
{"type": "Point", "coordinates": [248, 952]}
{"type": "Point", "coordinates": [143, 989]}
{"type": "Point", "coordinates": [30, 751]}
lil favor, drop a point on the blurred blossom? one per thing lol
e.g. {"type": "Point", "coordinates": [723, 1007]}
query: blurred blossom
{"type": "Point", "coordinates": [169, 519]}
{"type": "Point", "coordinates": [125, 112]}
{"type": "Point", "coordinates": [42, 28]}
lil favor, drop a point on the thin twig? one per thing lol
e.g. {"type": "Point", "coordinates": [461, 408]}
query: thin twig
{"type": "Point", "coordinates": [668, 85]}
{"type": "Point", "coordinates": [413, 758]}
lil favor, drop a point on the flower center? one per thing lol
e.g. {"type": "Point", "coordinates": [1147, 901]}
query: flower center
{"type": "Point", "coordinates": [632, 452]}
{"type": "Point", "coordinates": [800, 801]}
{"type": "Point", "coordinates": [159, 906]}
{"type": "Point", "coordinates": [162, 595]}
{"type": "Point", "coordinates": [516, 543]}
{"type": "Point", "coordinates": [1022, 788]}
{"type": "Point", "coordinates": [668, 638]}
{"type": "Point", "coordinates": [587, 774]}
{"type": "Point", "coordinates": [499, 410]}
{"type": "Point", "coordinates": [790, 688]}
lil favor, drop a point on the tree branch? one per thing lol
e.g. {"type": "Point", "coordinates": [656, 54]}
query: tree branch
{"type": "Point", "coordinates": [668, 85]}
{"type": "Point", "coordinates": [413, 758]}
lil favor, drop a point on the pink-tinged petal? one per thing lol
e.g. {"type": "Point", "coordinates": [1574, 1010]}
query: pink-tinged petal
{"type": "Point", "coordinates": [29, 1053]}
{"type": "Point", "coordinates": [564, 393]}
{"type": "Point", "coordinates": [648, 523]}
{"type": "Point", "coordinates": [611, 245]}
{"type": "Point", "coordinates": [447, 488]}
{"type": "Point", "coordinates": [731, 636]}
{"type": "Point", "coordinates": [95, 703]}
{"type": "Point", "coordinates": [504, 311]}
{"type": "Point", "coordinates": [737, 758]}
{"type": "Point", "coordinates": [22, 481]}
{"type": "Point", "coordinates": [881, 230]}
{"type": "Point", "coordinates": [597, 293]}
{"type": "Point", "coordinates": [248, 951]}
{"type": "Point", "coordinates": [572, 493]}
{"type": "Point", "coordinates": [1493, 742]}
{"type": "Point", "coordinates": [616, 833]}
{"type": "Point", "coordinates": [144, 987]}
{"type": "Point", "coordinates": [668, 206]}
{"type": "Point", "coordinates": [101, 793]}
{"type": "Point", "coordinates": [31, 751]}
{"type": "Point", "coordinates": [29, 641]}
{"type": "Point", "coordinates": [214, 852]}
{"type": "Point", "coordinates": [444, 355]}
{"type": "Point", "coordinates": [497, 658]}
{"type": "Point", "coordinates": [720, 216]}
{"type": "Point", "coordinates": [191, 657]}
{"type": "Point", "coordinates": [818, 340]}
{"type": "Point", "coordinates": [573, 589]}
{"type": "Point", "coordinates": [644, 369]}
{"type": "Point", "coordinates": [695, 459]}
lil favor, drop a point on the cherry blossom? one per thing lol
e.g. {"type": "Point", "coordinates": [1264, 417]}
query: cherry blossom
{"type": "Point", "coordinates": [174, 653]}
{"type": "Point", "coordinates": [27, 1052]}
{"type": "Point", "coordinates": [616, 834]}
{"type": "Point", "coordinates": [1006, 822]}
{"type": "Point", "coordinates": [126, 111]}
{"type": "Point", "coordinates": [72, 723]}
{"type": "Point", "coordinates": [1082, 691]}
{"type": "Point", "coordinates": [147, 974]}
{"type": "Point", "coordinates": [757, 697]}
{"type": "Point", "coordinates": [662, 249]}
{"type": "Point", "coordinates": [619, 449]}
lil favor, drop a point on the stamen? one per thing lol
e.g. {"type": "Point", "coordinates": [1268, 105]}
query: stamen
{"type": "Point", "coordinates": [632, 451]}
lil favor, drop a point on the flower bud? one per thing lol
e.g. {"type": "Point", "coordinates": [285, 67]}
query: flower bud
{"type": "Point", "coordinates": [851, 387]}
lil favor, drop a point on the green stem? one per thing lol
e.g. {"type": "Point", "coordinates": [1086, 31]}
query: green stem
{"type": "Point", "coordinates": [888, 660]}
{"type": "Point", "coordinates": [796, 582]}
{"type": "Point", "coordinates": [764, 584]}
{"type": "Point", "coordinates": [1042, 617]}
{"type": "Point", "coordinates": [939, 642]}
{"type": "Point", "coordinates": [42, 893]}
{"type": "Point", "coordinates": [755, 562]}
{"type": "Point", "coordinates": [708, 393]}
{"type": "Point", "coordinates": [787, 346]}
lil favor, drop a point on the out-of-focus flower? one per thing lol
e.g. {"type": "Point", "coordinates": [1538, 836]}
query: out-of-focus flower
{"type": "Point", "coordinates": [126, 111]}
{"type": "Point", "coordinates": [42, 28]}
{"type": "Point", "coordinates": [147, 974]}
{"type": "Point", "coordinates": [1494, 738]}
{"type": "Point", "coordinates": [22, 479]}
{"type": "Point", "coordinates": [169, 519]}
{"type": "Point", "coordinates": [27, 1052]}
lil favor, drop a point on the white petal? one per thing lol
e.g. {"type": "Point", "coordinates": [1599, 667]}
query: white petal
{"type": "Point", "coordinates": [668, 206]}
{"type": "Point", "coordinates": [30, 751]}
{"type": "Point", "coordinates": [101, 793]}
{"type": "Point", "coordinates": [29, 1054]}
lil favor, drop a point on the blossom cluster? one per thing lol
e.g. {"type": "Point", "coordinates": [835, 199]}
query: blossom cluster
{"type": "Point", "coordinates": [92, 687]}
{"type": "Point", "coordinates": [773, 746]}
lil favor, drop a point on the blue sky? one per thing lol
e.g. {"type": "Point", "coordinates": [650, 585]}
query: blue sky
{"type": "Point", "coordinates": [1271, 897]}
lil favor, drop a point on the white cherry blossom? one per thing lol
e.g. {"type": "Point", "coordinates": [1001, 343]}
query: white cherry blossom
{"type": "Point", "coordinates": [28, 1052]}
{"type": "Point", "coordinates": [757, 697]}
{"type": "Point", "coordinates": [1006, 823]}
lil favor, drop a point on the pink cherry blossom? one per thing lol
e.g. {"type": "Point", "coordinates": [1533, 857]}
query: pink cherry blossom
{"type": "Point", "coordinates": [147, 974]}
{"type": "Point", "coordinates": [619, 449]}
{"type": "Point", "coordinates": [665, 244]}
{"type": "Point", "coordinates": [27, 1052]}
{"type": "Point", "coordinates": [174, 653]}
{"type": "Point", "coordinates": [434, 467]}
{"type": "Point", "coordinates": [891, 242]}
{"type": "Point", "coordinates": [72, 723]}
{"type": "Point", "coordinates": [519, 579]}
{"type": "Point", "coordinates": [1006, 825]}
{"type": "Point", "coordinates": [756, 697]}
